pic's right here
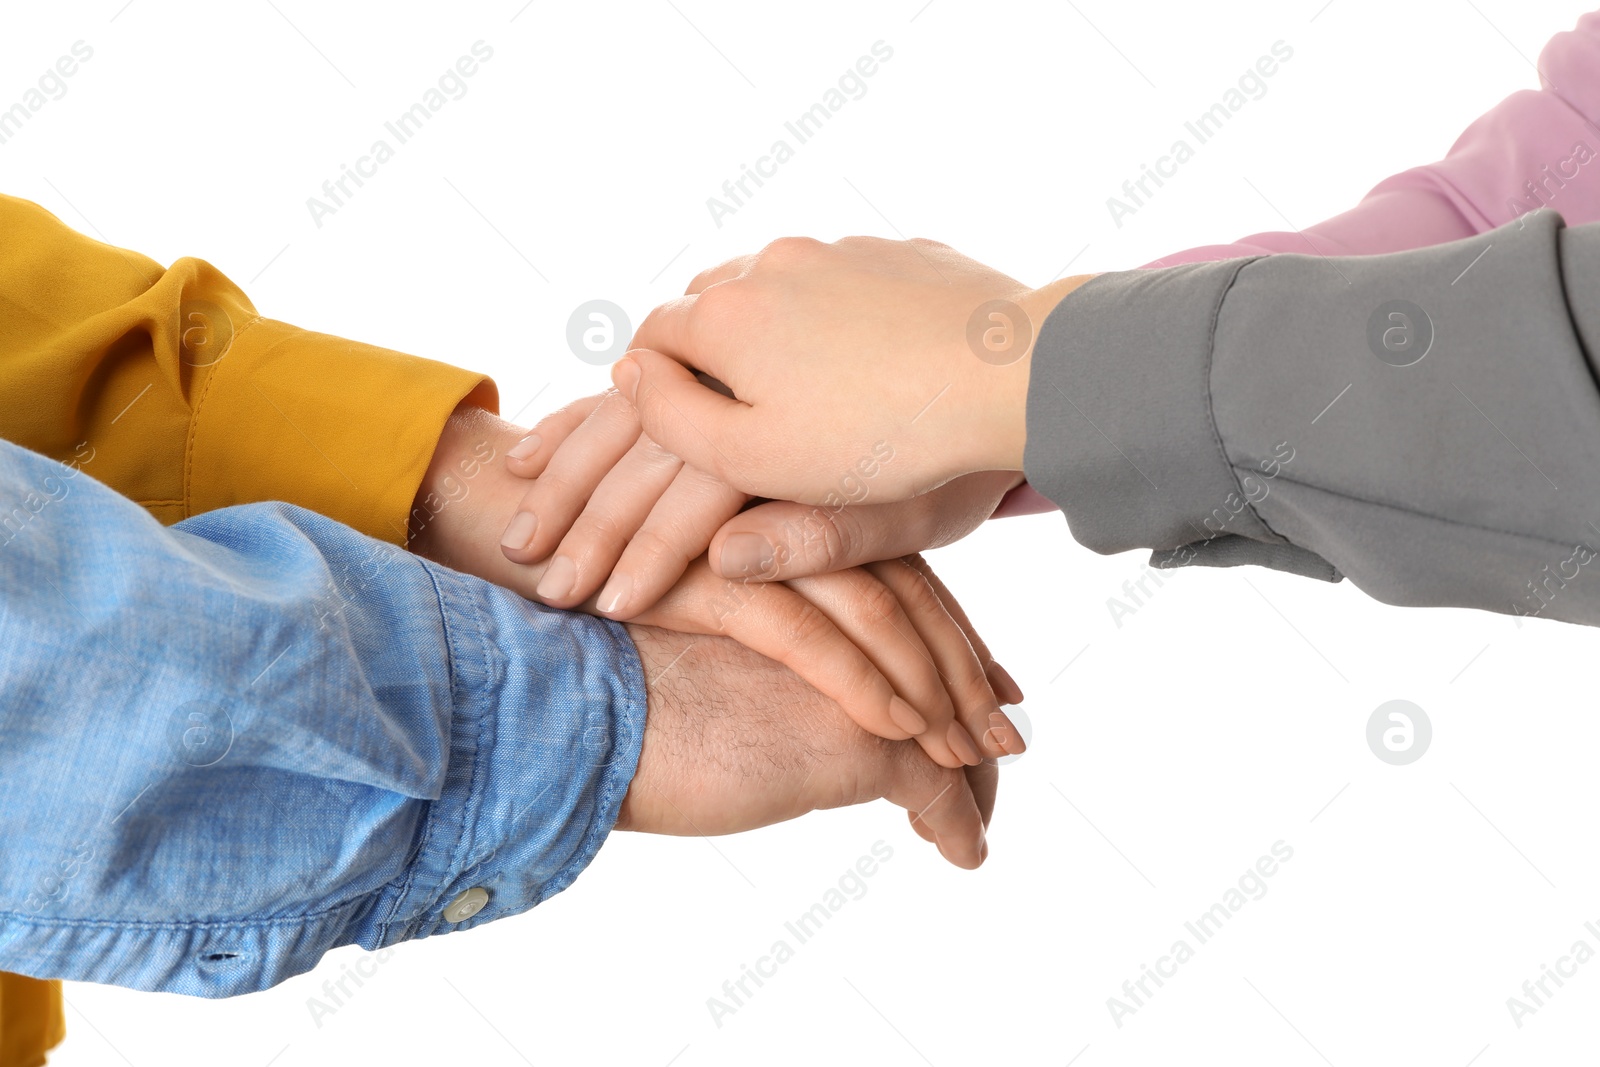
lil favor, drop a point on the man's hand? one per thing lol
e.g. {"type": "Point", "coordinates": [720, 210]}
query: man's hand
{"type": "Point", "coordinates": [734, 741]}
{"type": "Point", "coordinates": [837, 353]}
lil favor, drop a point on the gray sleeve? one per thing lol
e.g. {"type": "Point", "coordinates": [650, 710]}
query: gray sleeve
{"type": "Point", "coordinates": [1425, 422]}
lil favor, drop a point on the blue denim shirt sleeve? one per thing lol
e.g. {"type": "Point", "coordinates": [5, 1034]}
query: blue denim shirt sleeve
{"type": "Point", "coordinates": [232, 745]}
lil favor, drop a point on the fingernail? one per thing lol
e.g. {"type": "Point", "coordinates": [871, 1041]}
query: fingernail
{"type": "Point", "coordinates": [625, 376]}
{"type": "Point", "coordinates": [906, 717]}
{"type": "Point", "coordinates": [983, 846]}
{"type": "Point", "coordinates": [1013, 691]}
{"type": "Point", "coordinates": [519, 532]}
{"type": "Point", "coordinates": [962, 745]}
{"type": "Point", "coordinates": [615, 592]}
{"type": "Point", "coordinates": [745, 554]}
{"type": "Point", "coordinates": [525, 447]}
{"type": "Point", "coordinates": [558, 580]}
{"type": "Point", "coordinates": [1005, 735]}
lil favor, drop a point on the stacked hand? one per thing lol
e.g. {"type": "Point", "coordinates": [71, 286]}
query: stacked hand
{"type": "Point", "coordinates": [834, 351]}
{"type": "Point", "coordinates": [613, 507]}
{"type": "Point", "coordinates": [731, 744]}
{"type": "Point", "coordinates": [852, 439]}
{"type": "Point", "coordinates": [887, 642]}
{"type": "Point", "coordinates": [874, 392]}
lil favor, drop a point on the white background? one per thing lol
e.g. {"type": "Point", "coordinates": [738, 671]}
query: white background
{"type": "Point", "coordinates": [1227, 713]}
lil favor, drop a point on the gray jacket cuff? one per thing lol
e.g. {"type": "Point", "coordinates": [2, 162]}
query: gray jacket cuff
{"type": "Point", "coordinates": [1120, 428]}
{"type": "Point", "coordinates": [1426, 422]}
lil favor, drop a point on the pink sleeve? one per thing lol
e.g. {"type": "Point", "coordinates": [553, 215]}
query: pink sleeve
{"type": "Point", "coordinates": [1534, 149]}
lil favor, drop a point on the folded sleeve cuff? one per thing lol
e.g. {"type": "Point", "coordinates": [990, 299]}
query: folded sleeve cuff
{"type": "Point", "coordinates": [1120, 428]}
{"type": "Point", "coordinates": [353, 738]}
{"type": "Point", "coordinates": [336, 426]}
{"type": "Point", "coordinates": [546, 762]}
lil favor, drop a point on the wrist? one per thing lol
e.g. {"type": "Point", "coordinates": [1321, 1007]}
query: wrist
{"type": "Point", "coordinates": [1009, 403]}
{"type": "Point", "coordinates": [461, 488]}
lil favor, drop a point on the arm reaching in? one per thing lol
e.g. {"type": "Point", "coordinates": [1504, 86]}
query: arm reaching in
{"type": "Point", "coordinates": [358, 745]}
{"type": "Point", "coordinates": [1425, 422]}
{"type": "Point", "coordinates": [1531, 150]}
{"type": "Point", "coordinates": [1169, 408]}
{"type": "Point", "coordinates": [168, 385]}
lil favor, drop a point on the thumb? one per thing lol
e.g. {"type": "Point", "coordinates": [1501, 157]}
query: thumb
{"type": "Point", "coordinates": [781, 539]}
{"type": "Point", "coordinates": [693, 421]}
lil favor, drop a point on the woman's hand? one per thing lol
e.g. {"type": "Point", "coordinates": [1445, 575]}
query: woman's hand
{"type": "Point", "coordinates": [608, 505]}
{"type": "Point", "coordinates": [836, 353]}
{"type": "Point", "coordinates": [635, 524]}
{"type": "Point", "coordinates": [887, 642]}
{"type": "Point", "coordinates": [781, 539]}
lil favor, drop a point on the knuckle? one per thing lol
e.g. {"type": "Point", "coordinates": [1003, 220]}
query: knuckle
{"type": "Point", "coordinates": [942, 786]}
{"type": "Point", "coordinates": [971, 702]}
{"type": "Point", "coordinates": [821, 545]}
{"type": "Point", "coordinates": [806, 626]}
{"type": "Point", "coordinates": [725, 472]}
{"type": "Point", "coordinates": [714, 306]}
{"type": "Point", "coordinates": [813, 542]}
{"type": "Point", "coordinates": [591, 530]}
{"type": "Point", "coordinates": [549, 487]}
{"type": "Point", "coordinates": [918, 595]}
{"type": "Point", "coordinates": [878, 602]}
{"type": "Point", "coordinates": [705, 278]}
{"type": "Point", "coordinates": [842, 534]}
{"type": "Point", "coordinates": [792, 247]}
{"type": "Point", "coordinates": [728, 268]}
{"type": "Point", "coordinates": [653, 453]}
{"type": "Point", "coordinates": [650, 407]}
{"type": "Point", "coordinates": [789, 250]}
{"type": "Point", "coordinates": [651, 547]}
{"type": "Point", "coordinates": [910, 585]}
{"type": "Point", "coordinates": [615, 415]}
{"type": "Point", "coordinates": [860, 677]}
{"type": "Point", "coordinates": [650, 325]}
{"type": "Point", "coordinates": [706, 491]}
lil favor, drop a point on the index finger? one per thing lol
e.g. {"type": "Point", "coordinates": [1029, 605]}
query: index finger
{"type": "Point", "coordinates": [528, 457]}
{"type": "Point", "coordinates": [732, 268]}
{"type": "Point", "coordinates": [666, 328]}
{"type": "Point", "coordinates": [984, 781]}
{"type": "Point", "coordinates": [941, 800]}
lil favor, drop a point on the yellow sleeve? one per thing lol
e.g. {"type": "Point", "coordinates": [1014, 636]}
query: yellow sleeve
{"type": "Point", "coordinates": [165, 384]}
{"type": "Point", "coordinates": [30, 1020]}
